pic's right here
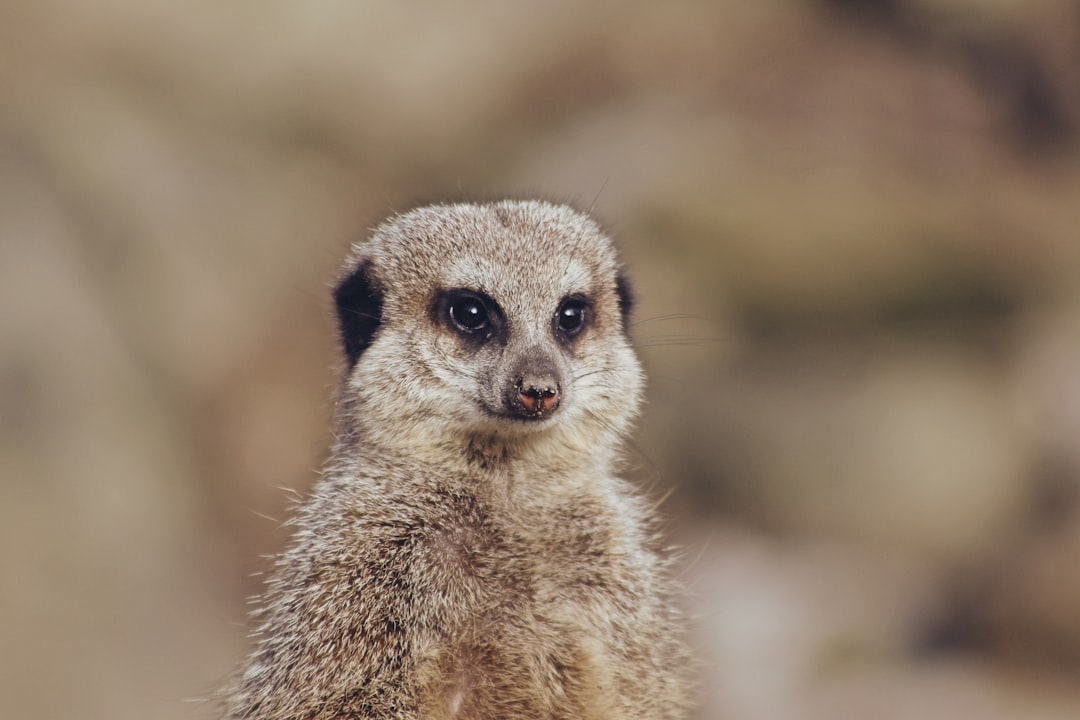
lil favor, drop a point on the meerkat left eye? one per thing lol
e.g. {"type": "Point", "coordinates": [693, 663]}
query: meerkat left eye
{"type": "Point", "coordinates": [469, 314]}
{"type": "Point", "coordinates": [570, 318]}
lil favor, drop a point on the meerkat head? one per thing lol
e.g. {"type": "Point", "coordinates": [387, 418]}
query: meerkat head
{"type": "Point", "coordinates": [508, 319]}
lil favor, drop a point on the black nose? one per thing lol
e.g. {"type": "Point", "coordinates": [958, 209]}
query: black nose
{"type": "Point", "coordinates": [536, 397]}
{"type": "Point", "coordinates": [534, 387]}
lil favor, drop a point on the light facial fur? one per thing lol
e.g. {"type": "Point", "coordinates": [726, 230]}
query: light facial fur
{"type": "Point", "coordinates": [469, 553]}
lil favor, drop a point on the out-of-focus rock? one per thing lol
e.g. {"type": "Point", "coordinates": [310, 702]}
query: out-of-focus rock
{"type": "Point", "coordinates": [1032, 590]}
{"type": "Point", "coordinates": [940, 690]}
{"type": "Point", "coordinates": [771, 619]}
{"type": "Point", "coordinates": [104, 593]}
{"type": "Point", "coordinates": [825, 630]}
{"type": "Point", "coordinates": [910, 447]}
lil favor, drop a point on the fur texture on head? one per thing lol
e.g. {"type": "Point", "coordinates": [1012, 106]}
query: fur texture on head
{"type": "Point", "coordinates": [469, 554]}
{"type": "Point", "coordinates": [521, 268]}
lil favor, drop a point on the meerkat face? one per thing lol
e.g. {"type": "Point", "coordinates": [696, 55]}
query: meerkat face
{"type": "Point", "coordinates": [505, 318]}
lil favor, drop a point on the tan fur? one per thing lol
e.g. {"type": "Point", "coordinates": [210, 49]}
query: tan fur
{"type": "Point", "coordinates": [456, 562]}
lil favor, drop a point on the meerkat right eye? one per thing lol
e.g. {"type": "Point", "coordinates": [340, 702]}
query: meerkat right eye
{"type": "Point", "coordinates": [571, 316]}
{"type": "Point", "coordinates": [468, 313]}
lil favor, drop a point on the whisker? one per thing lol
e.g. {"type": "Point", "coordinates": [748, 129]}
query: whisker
{"type": "Point", "coordinates": [361, 314]}
{"type": "Point", "coordinates": [602, 422]}
{"type": "Point", "coordinates": [264, 516]}
{"type": "Point", "coordinates": [582, 376]}
{"type": "Point", "coordinates": [702, 549]}
{"type": "Point", "coordinates": [678, 342]}
{"type": "Point", "coordinates": [596, 198]}
{"type": "Point", "coordinates": [679, 336]}
{"type": "Point", "coordinates": [670, 316]}
{"type": "Point", "coordinates": [653, 468]}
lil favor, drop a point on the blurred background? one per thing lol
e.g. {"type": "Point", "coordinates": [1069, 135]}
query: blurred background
{"type": "Point", "coordinates": [855, 232]}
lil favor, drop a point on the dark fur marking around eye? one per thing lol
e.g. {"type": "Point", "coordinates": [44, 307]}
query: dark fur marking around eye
{"type": "Point", "coordinates": [359, 311]}
{"type": "Point", "coordinates": [447, 311]}
{"type": "Point", "coordinates": [626, 299]}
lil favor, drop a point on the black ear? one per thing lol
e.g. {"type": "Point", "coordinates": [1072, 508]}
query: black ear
{"type": "Point", "coordinates": [359, 311]}
{"type": "Point", "coordinates": [626, 299]}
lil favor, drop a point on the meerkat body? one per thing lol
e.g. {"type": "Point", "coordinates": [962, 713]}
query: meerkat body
{"type": "Point", "coordinates": [469, 553]}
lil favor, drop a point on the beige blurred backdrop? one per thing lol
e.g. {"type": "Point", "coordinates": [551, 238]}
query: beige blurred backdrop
{"type": "Point", "coordinates": [855, 231]}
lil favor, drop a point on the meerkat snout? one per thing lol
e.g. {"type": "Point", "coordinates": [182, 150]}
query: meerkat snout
{"type": "Point", "coordinates": [536, 397]}
{"type": "Point", "coordinates": [535, 388]}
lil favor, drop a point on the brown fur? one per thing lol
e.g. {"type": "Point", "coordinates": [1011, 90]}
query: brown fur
{"type": "Point", "coordinates": [463, 558]}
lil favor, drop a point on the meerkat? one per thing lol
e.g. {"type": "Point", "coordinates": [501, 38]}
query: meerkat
{"type": "Point", "coordinates": [469, 552]}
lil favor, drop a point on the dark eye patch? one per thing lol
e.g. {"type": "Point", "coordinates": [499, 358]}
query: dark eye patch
{"type": "Point", "coordinates": [468, 314]}
{"type": "Point", "coordinates": [471, 314]}
{"type": "Point", "coordinates": [626, 299]}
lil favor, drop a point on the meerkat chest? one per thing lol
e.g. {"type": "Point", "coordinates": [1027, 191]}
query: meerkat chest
{"type": "Point", "coordinates": [525, 602]}
{"type": "Point", "coordinates": [482, 551]}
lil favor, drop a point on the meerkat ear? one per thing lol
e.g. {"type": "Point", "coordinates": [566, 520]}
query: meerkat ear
{"type": "Point", "coordinates": [359, 311]}
{"type": "Point", "coordinates": [626, 299]}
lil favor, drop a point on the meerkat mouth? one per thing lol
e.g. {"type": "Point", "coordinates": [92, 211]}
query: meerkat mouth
{"type": "Point", "coordinates": [523, 419]}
